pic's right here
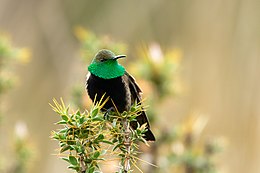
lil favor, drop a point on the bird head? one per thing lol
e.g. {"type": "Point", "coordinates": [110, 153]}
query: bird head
{"type": "Point", "coordinates": [105, 65]}
{"type": "Point", "coordinates": [106, 55]}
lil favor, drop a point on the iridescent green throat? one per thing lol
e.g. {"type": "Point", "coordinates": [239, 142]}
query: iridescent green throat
{"type": "Point", "coordinates": [106, 70]}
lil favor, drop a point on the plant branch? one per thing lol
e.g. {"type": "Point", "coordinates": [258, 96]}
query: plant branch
{"type": "Point", "coordinates": [127, 144]}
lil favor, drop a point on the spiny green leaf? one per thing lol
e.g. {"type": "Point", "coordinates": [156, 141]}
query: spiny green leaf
{"type": "Point", "coordinates": [114, 140]}
{"type": "Point", "coordinates": [96, 155]}
{"type": "Point", "coordinates": [61, 122]}
{"type": "Point", "coordinates": [66, 159]}
{"type": "Point", "coordinates": [65, 117]}
{"type": "Point", "coordinates": [62, 137]}
{"type": "Point", "coordinates": [115, 147]}
{"type": "Point", "coordinates": [107, 142]}
{"type": "Point", "coordinates": [98, 118]}
{"type": "Point", "coordinates": [121, 155]}
{"type": "Point", "coordinates": [71, 142]}
{"type": "Point", "coordinates": [65, 148]}
{"type": "Point", "coordinates": [100, 137]}
{"type": "Point", "coordinates": [76, 168]}
{"type": "Point", "coordinates": [73, 160]}
{"type": "Point", "coordinates": [132, 109]}
{"type": "Point", "coordinates": [142, 140]}
{"type": "Point", "coordinates": [81, 120]}
{"type": "Point", "coordinates": [133, 118]}
{"type": "Point", "coordinates": [70, 123]}
{"type": "Point", "coordinates": [138, 131]}
{"type": "Point", "coordinates": [90, 169]}
{"type": "Point", "coordinates": [94, 112]}
{"type": "Point", "coordinates": [75, 147]}
{"type": "Point", "coordinates": [67, 109]}
{"type": "Point", "coordinates": [88, 160]}
{"type": "Point", "coordinates": [63, 130]}
{"type": "Point", "coordinates": [97, 172]}
{"type": "Point", "coordinates": [78, 112]}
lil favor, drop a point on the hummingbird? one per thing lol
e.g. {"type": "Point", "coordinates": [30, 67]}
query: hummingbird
{"type": "Point", "coordinates": [107, 77]}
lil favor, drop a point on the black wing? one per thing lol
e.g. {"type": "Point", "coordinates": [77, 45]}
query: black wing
{"type": "Point", "coordinates": [136, 96]}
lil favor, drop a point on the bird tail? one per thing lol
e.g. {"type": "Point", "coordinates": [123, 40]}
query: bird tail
{"type": "Point", "coordinates": [142, 119]}
{"type": "Point", "coordinates": [149, 135]}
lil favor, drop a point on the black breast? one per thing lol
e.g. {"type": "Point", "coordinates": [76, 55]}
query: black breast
{"type": "Point", "coordinates": [114, 88]}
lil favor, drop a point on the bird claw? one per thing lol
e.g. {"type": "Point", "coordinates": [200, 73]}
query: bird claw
{"type": "Point", "coordinates": [108, 111]}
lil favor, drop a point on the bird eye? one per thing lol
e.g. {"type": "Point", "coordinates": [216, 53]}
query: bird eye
{"type": "Point", "coordinates": [102, 60]}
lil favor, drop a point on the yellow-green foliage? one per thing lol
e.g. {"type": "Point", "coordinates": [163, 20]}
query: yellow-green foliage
{"type": "Point", "coordinates": [87, 138]}
{"type": "Point", "coordinates": [8, 56]}
{"type": "Point", "coordinates": [91, 43]}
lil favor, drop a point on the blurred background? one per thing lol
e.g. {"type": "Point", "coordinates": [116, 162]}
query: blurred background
{"type": "Point", "coordinates": [206, 52]}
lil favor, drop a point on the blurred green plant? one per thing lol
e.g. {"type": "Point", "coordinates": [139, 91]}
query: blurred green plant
{"type": "Point", "coordinates": [9, 57]}
{"type": "Point", "coordinates": [91, 43]}
{"type": "Point", "coordinates": [23, 150]}
{"type": "Point", "coordinates": [87, 138]}
{"type": "Point", "coordinates": [186, 151]}
{"type": "Point", "coordinates": [177, 149]}
{"type": "Point", "coordinates": [158, 67]}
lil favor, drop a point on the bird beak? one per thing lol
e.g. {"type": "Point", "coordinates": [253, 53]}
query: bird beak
{"type": "Point", "coordinates": [119, 56]}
